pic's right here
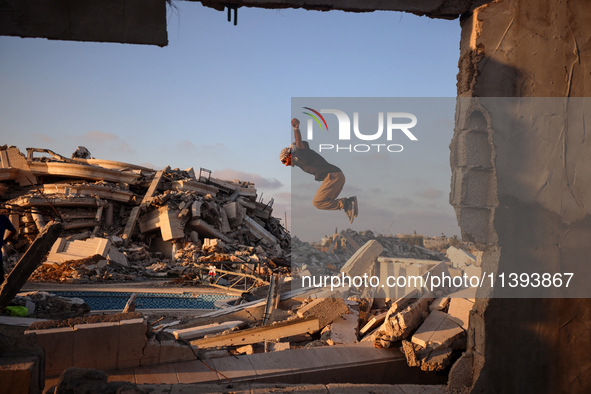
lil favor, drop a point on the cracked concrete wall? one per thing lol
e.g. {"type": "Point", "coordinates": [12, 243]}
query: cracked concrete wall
{"type": "Point", "coordinates": [521, 187]}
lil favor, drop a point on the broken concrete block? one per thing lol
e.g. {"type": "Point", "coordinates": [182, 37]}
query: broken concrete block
{"type": "Point", "coordinates": [409, 349]}
{"type": "Point", "coordinates": [208, 329]}
{"type": "Point", "coordinates": [424, 333]}
{"type": "Point", "coordinates": [373, 323]}
{"type": "Point", "coordinates": [402, 324]}
{"type": "Point", "coordinates": [363, 259]}
{"type": "Point", "coordinates": [437, 331]}
{"type": "Point", "coordinates": [118, 257]}
{"type": "Point", "coordinates": [326, 310]}
{"type": "Point", "coordinates": [438, 360]}
{"type": "Point", "coordinates": [166, 220]}
{"type": "Point", "coordinates": [259, 232]}
{"type": "Point", "coordinates": [344, 328]}
{"type": "Point", "coordinates": [260, 334]}
{"type": "Point", "coordinates": [459, 311]}
{"type": "Point", "coordinates": [246, 349]}
{"type": "Point", "coordinates": [460, 258]}
{"type": "Point", "coordinates": [403, 302]}
{"type": "Point", "coordinates": [271, 346]}
{"type": "Point", "coordinates": [63, 250]}
{"type": "Point", "coordinates": [206, 230]}
{"type": "Point", "coordinates": [439, 304]}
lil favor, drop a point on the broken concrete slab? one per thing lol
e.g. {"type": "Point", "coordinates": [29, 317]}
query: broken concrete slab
{"type": "Point", "coordinates": [363, 259]}
{"type": "Point", "coordinates": [459, 311]}
{"type": "Point", "coordinates": [165, 219]}
{"type": "Point", "coordinates": [410, 352]}
{"type": "Point", "coordinates": [63, 250]}
{"type": "Point", "coordinates": [326, 310]}
{"type": "Point", "coordinates": [201, 331]}
{"type": "Point", "coordinates": [437, 331]}
{"type": "Point", "coordinates": [437, 360]}
{"type": "Point", "coordinates": [259, 232]}
{"type": "Point", "coordinates": [373, 323]}
{"type": "Point", "coordinates": [439, 304]}
{"type": "Point", "coordinates": [459, 257]}
{"type": "Point", "coordinates": [344, 329]}
{"type": "Point", "coordinates": [206, 230]}
{"type": "Point", "coordinates": [400, 325]}
{"type": "Point", "coordinates": [260, 334]}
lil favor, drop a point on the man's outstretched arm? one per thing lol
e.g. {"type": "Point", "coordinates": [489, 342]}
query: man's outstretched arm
{"type": "Point", "coordinates": [295, 124]}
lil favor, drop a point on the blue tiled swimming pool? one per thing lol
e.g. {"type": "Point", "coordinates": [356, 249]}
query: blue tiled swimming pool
{"type": "Point", "coordinates": [100, 301]}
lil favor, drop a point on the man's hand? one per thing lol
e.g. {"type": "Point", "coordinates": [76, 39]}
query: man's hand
{"type": "Point", "coordinates": [295, 123]}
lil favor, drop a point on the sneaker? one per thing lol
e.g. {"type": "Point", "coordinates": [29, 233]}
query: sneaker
{"type": "Point", "coordinates": [354, 206]}
{"type": "Point", "coordinates": [351, 208]}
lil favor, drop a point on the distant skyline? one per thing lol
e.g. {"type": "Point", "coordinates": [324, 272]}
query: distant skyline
{"type": "Point", "coordinates": [219, 96]}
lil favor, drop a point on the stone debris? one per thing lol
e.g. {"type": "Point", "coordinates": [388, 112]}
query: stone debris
{"type": "Point", "coordinates": [141, 222]}
{"type": "Point", "coordinates": [127, 223]}
{"type": "Point", "coordinates": [43, 305]}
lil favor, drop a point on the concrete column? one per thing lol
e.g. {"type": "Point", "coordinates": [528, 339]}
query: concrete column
{"type": "Point", "coordinates": [519, 191]}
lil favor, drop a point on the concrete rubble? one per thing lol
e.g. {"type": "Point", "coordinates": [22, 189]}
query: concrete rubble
{"type": "Point", "coordinates": [126, 223]}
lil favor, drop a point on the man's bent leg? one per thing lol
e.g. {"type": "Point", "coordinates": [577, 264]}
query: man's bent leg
{"type": "Point", "coordinates": [326, 196]}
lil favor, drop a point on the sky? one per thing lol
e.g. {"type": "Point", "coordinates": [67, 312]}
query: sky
{"type": "Point", "coordinates": [219, 96]}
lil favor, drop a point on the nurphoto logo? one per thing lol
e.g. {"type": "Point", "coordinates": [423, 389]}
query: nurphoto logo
{"type": "Point", "coordinates": [396, 123]}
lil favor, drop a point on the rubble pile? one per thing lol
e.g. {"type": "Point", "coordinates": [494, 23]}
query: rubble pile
{"type": "Point", "coordinates": [125, 222]}
{"type": "Point", "coordinates": [331, 253]}
{"type": "Point", "coordinates": [43, 305]}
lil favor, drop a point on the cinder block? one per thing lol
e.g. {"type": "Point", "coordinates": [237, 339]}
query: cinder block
{"type": "Point", "coordinates": [96, 345]}
{"type": "Point", "coordinates": [478, 150]}
{"type": "Point", "coordinates": [132, 340]}
{"type": "Point", "coordinates": [58, 344]}
{"type": "Point", "coordinates": [479, 188]}
{"type": "Point", "coordinates": [476, 225]}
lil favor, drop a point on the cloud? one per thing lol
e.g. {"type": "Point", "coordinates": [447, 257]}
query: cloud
{"type": "Point", "coordinates": [94, 139]}
{"type": "Point", "coordinates": [42, 137]}
{"type": "Point", "coordinates": [430, 193]}
{"type": "Point", "coordinates": [401, 201]}
{"type": "Point", "coordinates": [100, 137]}
{"type": "Point", "coordinates": [186, 146]}
{"type": "Point", "coordinates": [259, 181]}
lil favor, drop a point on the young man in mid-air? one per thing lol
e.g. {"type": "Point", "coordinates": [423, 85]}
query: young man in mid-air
{"type": "Point", "coordinates": [331, 176]}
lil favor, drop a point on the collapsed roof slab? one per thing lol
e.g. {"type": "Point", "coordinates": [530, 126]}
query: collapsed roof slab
{"type": "Point", "coordinates": [81, 171]}
{"type": "Point", "coordinates": [130, 21]}
{"type": "Point", "coordinates": [105, 192]}
{"type": "Point", "coordinates": [445, 9]}
{"type": "Point", "coordinates": [62, 201]}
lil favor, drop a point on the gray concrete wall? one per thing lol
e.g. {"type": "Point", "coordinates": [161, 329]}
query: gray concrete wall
{"type": "Point", "coordinates": [521, 190]}
{"type": "Point", "coordinates": [130, 21]}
